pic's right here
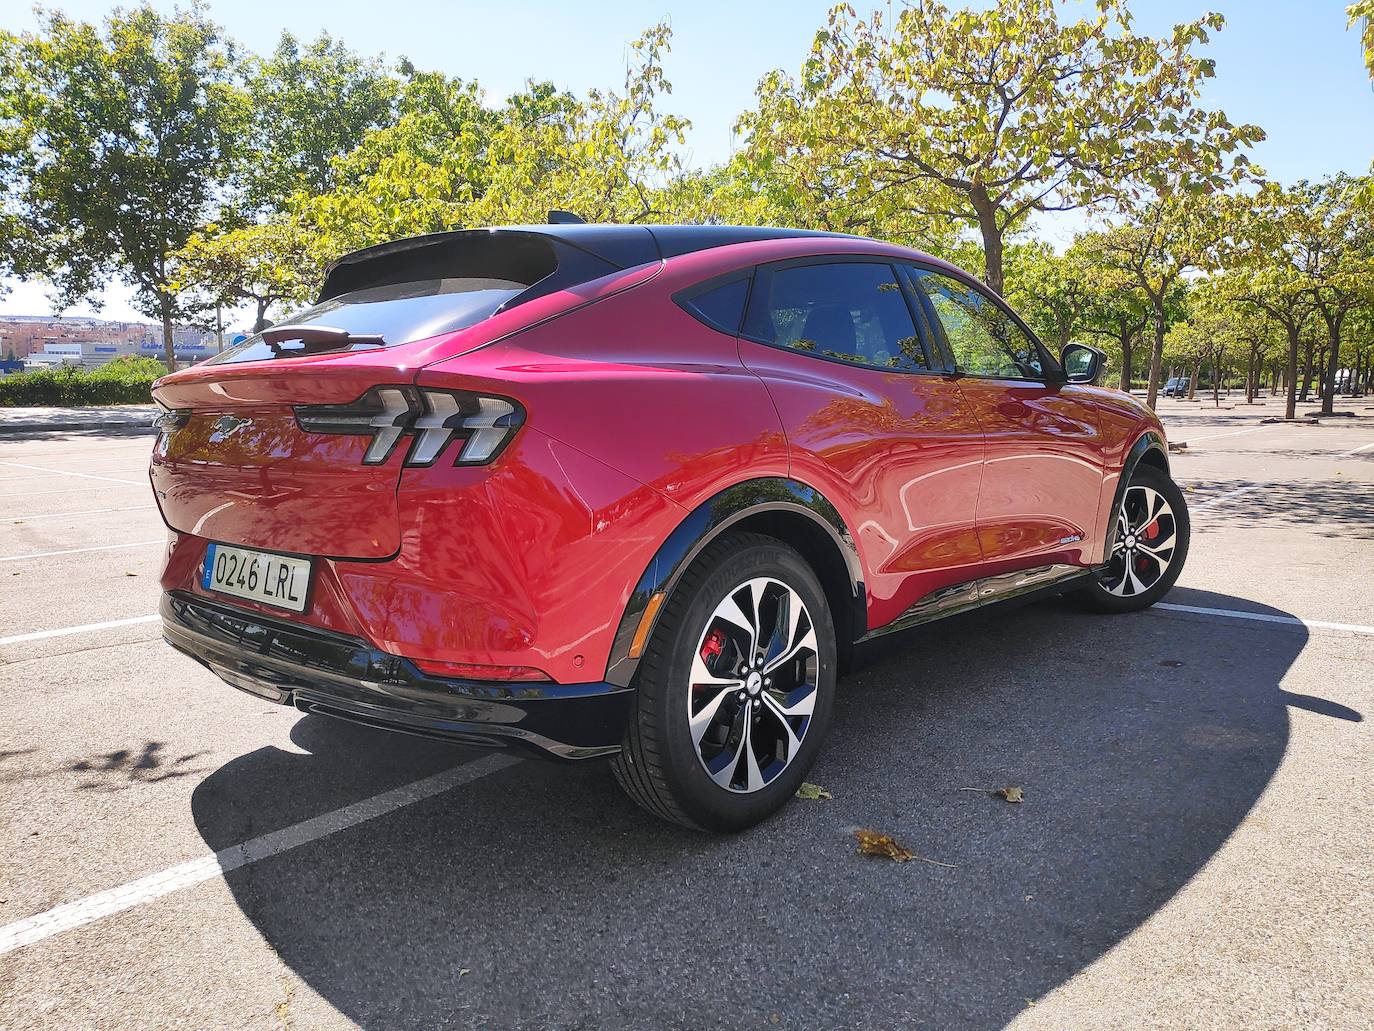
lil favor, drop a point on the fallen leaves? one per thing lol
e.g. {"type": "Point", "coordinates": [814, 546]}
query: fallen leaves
{"type": "Point", "coordinates": [874, 843]}
{"type": "Point", "coordinates": [1011, 793]}
{"type": "Point", "coordinates": [813, 792]}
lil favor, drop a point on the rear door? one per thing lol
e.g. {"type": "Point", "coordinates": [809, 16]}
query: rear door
{"type": "Point", "coordinates": [1043, 467]}
{"type": "Point", "coordinates": [869, 423]}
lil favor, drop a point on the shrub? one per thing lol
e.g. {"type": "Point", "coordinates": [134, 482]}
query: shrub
{"type": "Point", "coordinates": [126, 380]}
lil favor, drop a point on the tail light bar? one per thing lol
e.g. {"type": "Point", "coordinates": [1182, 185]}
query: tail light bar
{"type": "Point", "coordinates": [483, 423]}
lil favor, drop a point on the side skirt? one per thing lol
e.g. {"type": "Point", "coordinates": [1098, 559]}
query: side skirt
{"type": "Point", "coordinates": [991, 590]}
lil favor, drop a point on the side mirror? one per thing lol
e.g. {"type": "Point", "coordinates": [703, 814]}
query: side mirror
{"type": "Point", "coordinates": [1081, 363]}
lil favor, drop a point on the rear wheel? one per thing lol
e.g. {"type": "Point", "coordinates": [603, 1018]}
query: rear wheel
{"type": "Point", "coordinates": [1150, 547]}
{"type": "Point", "coordinates": [735, 688]}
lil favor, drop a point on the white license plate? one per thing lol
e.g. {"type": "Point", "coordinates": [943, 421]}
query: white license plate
{"type": "Point", "coordinates": [278, 580]}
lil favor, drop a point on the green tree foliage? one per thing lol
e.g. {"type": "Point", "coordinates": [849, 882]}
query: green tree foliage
{"type": "Point", "coordinates": [115, 141]}
{"type": "Point", "coordinates": [985, 117]}
{"type": "Point", "coordinates": [1362, 11]}
{"type": "Point", "coordinates": [311, 104]}
{"type": "Point", "coordinates": [262, 264]}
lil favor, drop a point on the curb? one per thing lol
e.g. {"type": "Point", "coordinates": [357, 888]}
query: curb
{"type": "Point", "coordinates": [15, 429]}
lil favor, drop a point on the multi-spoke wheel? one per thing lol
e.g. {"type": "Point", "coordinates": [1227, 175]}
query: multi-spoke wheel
{"type": "Point", "coordinates": [753, 684]}
{"type": "Point", "coordinates": [1149, 545]}
{"type": "Point", "coordinates": [734, 689]}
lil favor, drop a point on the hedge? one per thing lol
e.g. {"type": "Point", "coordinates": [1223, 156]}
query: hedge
{"type": "Point", "coordinates": [126, 380]}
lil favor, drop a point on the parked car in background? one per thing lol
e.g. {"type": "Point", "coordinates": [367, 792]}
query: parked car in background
{"type": "Point", "coordinates": [636, 492]}
{"type": "Point", "coordinates": [1177, 386]}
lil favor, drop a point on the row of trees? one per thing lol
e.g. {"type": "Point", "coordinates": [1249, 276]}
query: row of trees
{"type": "Point", "coordinates": [153, 150]}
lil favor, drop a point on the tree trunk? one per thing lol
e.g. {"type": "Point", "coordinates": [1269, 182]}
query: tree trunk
{"type": "Point", "coordinates": [1193, 375]}
{"type": "Point", "coordinates": [992, 238]}
{"type": "Point", "coordinates": [169, 353]}
{"type": "Point", "coordinates": [1127, 338]}
{"type": "Point", "coordinates": [1156, 352]}
{"type": "Point", "coordinates": [1216, 381]}
{"type": "Point", "coordinates": [1307, 371]}
{"type": "Point", "coordinates": [1333, 362]}
{"type": "Point", "coordinates": [1290, 408]}
{"type": "Point", "coordinates": [260, 323]}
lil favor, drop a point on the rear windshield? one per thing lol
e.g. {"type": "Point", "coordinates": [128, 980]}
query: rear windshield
{"type": "Point", "coordinates": [398, 313]}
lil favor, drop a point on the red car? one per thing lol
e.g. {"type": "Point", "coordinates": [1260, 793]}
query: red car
{"type": "Point", "coordinates": [637, 492]}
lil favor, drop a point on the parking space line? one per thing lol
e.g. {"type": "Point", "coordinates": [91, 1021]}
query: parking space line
{"type": "Point", "coordinates": [1218, 436]}
{"type": "Point", "coordinates": [1356, 450]}
{"type": "Point", "coordinates": [83, 512]}
{"type": "Point", "coordinates": [1311, 624]}
{"type": "Point", "coordinates": [43, 635]}
{"type": "Point", "coordinates": [184, 875]}
{"type": "Point", "coordinates": [63, 490]}
{"type": "Point", "coordinates": [1224, 497]}
{"type": "Point", "coordinates": [78, 551]}
{"type": "Point", "coordinates": [64, 472]}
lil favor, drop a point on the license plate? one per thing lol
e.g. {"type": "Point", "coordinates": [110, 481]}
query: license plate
{"type": "Point", "coordinates": [278, 580]}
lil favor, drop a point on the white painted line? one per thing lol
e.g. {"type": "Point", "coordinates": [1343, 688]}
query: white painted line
{"type": "Point", "coordinates": [1356, 450]}
{"type": "Point", "coordinates": [1233, 433]}
{"type": "Point", "coordinates": [174, 878]}
{"type": "Point", "coordinates": [64, 490]}
{"type": "Point", "coordinates": [1224, 497]}
{"type": "Point", "coordinates": [78, 551]}
{"type": "Point", "coordinates": [83, 512]}
{"type": "Point", "coordinates": [64, 472]}
{"type": "Point", "coordinates": [1313, 624]}
{"type": "Point", "coordinates": [43, 635]}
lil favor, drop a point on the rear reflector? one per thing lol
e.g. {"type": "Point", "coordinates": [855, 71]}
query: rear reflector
{"type": "Point", "coordinates": [474, 671]}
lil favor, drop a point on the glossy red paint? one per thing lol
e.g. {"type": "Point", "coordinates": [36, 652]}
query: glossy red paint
{"type": "Point", "coordinates": [637, 413]}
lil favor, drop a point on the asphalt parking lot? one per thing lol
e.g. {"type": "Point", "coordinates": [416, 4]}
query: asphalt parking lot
{"type": "Point", "coordinates": [1194, 848]}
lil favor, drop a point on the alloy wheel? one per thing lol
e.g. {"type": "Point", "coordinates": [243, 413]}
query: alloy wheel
{"type": "Point", "coordinates": [1146, 536]}
{"type": "Point", "coordinates": [753, 684]}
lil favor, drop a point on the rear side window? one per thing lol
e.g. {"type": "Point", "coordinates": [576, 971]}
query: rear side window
{"type": "Point", "coordinates": [398, 313]}
{"type": "Point", "coordinates": [852, 312]}
{"type": "Point", "coordinates": [984, 339]}
{"type": "Point", "coordinates": [720, 307]}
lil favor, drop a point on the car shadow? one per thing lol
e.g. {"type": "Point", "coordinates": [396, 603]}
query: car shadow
{"type": "Point", "coordinates": [538, 896]}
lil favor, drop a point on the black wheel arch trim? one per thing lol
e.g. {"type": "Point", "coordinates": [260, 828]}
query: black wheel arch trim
{"type": "Point", "coordinates": [1148, 441]}
{"type": "Point", "coordinates": [707, 522]}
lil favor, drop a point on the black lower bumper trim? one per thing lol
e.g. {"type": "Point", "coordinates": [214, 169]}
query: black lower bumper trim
{"type": "Point", "coordinates": [335, 675]}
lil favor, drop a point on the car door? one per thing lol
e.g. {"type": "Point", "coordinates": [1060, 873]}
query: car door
{"type": "Point", "coordinates": [841, 345]}
{"type": "Point", "coordinates": [1043, 460]}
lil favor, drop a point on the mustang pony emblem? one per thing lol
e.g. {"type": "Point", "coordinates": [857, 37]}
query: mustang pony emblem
{"type": "Point", "coordinates": [227, 426]}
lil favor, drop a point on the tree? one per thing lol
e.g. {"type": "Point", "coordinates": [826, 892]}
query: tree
{"type": "Point", "coordinates": [261, 264]}
{"type": "Point", "coordinates": [1267, 252]}
{"type": "Point", "coordinates": [1362, 11]}
{"type": "Point", "coordinates": [1341, 262]}
{"type": "Point", "coordinates": [310, 105]}
{"type": "Point", "coordinates": [114, 145]}
{"type": "Point", "coordinates": [987, 117]}
{"type": "Point", "coordinates": [1053, 292]}
{"type": "Point", "coordinates": [1166, 238]}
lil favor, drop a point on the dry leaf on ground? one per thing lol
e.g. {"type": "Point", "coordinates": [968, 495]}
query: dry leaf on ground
{"type": "Point", "coordinates": [873, 843]}
{"type": "Point", "coordinates": [1010, 793]}
{"type": "Point", "coordinates": [813, 792]}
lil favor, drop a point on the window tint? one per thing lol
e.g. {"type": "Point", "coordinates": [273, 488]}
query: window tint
{"type": "Point", "coordinates": [721, 307]}
{"type": "Point", "coordinates": [399, 313]}
{"type": "Point", "coordinates": [983, 337]}
{"type": "Point", "coordinates": [850, 311]}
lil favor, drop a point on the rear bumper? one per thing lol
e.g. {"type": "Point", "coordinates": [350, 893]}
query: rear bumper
{"type": "Point", "coordinates": [319, 671]}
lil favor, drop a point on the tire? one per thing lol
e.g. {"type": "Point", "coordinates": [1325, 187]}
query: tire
{"type": "Point", "coordinates": [687, 750]}
{"type": "Point", "coordinates": [1142, 568]}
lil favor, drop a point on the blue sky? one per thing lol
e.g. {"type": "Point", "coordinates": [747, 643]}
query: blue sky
{"type": "Point", "coordinates": [1289, 66]}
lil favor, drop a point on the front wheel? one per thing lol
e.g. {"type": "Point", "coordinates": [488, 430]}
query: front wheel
{"type": "Point", "coordinates": [735, 688]}
{"type": "Point", "coordinates": [1149, 549]}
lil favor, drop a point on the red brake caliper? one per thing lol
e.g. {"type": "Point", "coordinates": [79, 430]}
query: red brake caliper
{"type": "Point", "coordinates": [712, 647]}
{"type": "Point", "coordinates": [1142, 564]}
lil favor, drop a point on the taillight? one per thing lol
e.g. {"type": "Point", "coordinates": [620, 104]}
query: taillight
{"type": "Point", "coordinates": [483, 424]}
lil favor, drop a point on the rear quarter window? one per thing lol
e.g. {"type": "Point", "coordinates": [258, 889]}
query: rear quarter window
{"type": "Point", "coordinates": [720, 307]}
